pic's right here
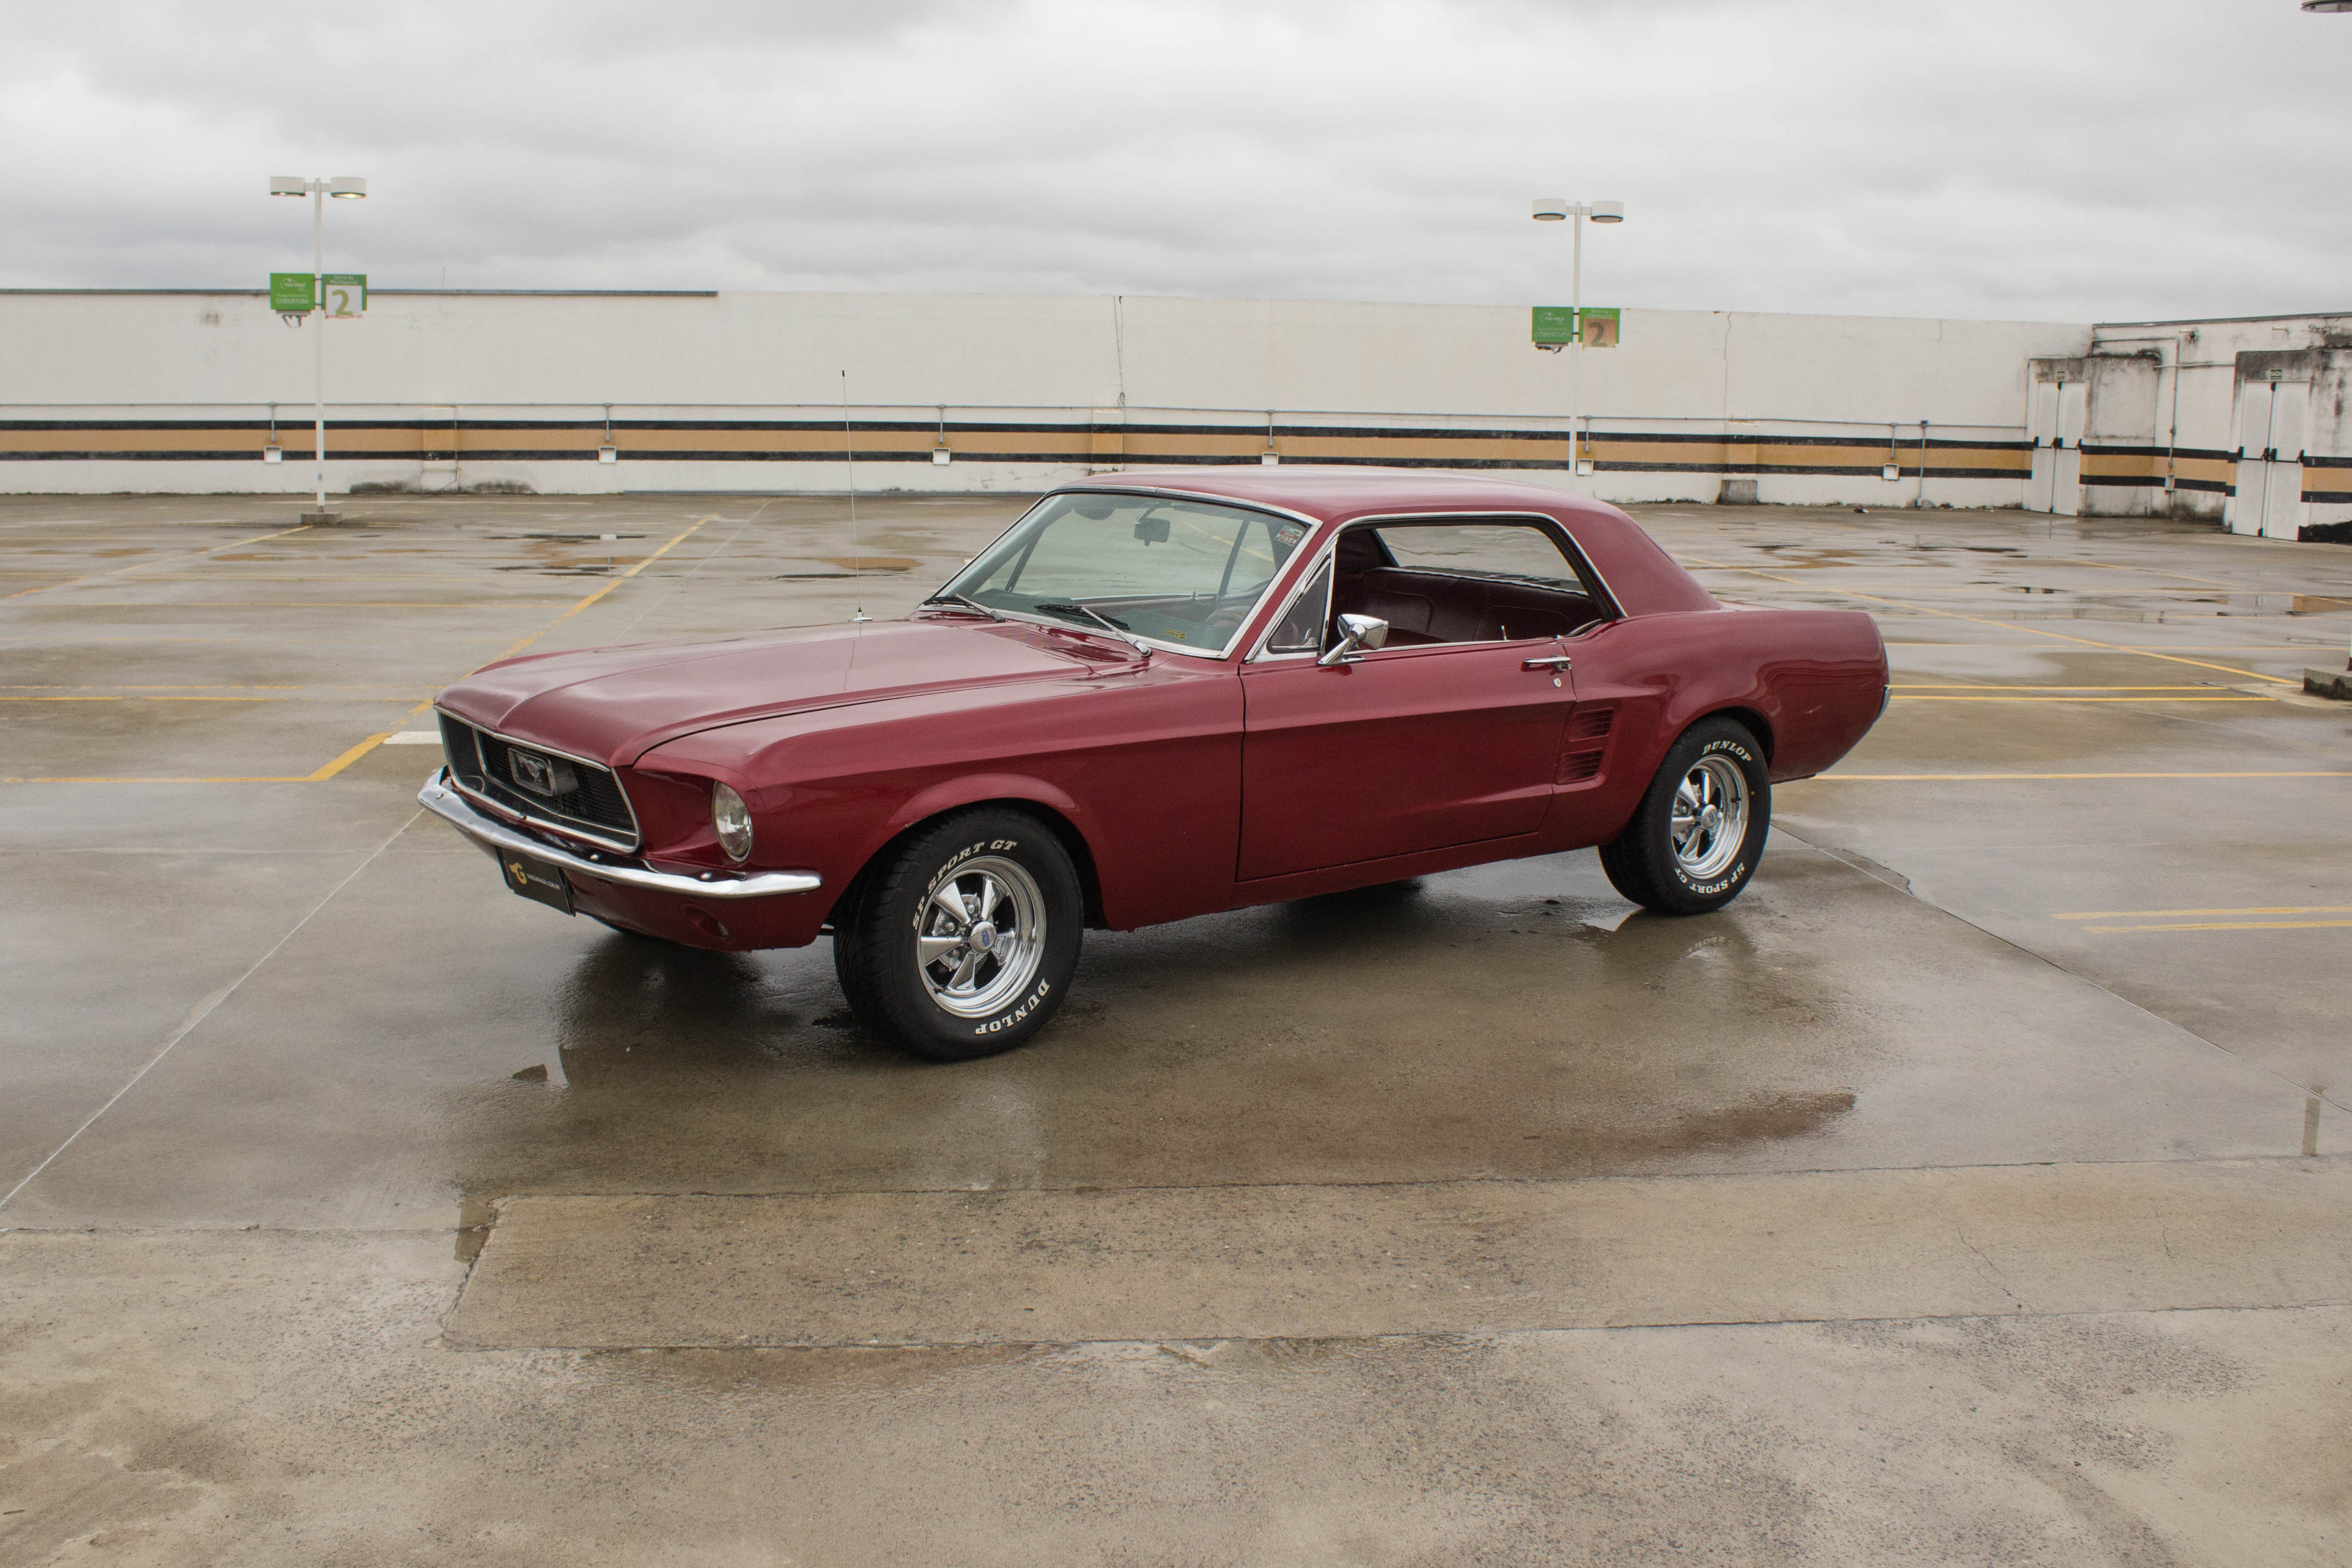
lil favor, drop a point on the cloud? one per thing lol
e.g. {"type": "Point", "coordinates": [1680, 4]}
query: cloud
{"type": "Point", "coordinates": [2096, 159]}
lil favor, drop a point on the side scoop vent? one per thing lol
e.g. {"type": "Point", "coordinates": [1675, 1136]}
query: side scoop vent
{"type": "Point", "coordinates": [1587, 746]}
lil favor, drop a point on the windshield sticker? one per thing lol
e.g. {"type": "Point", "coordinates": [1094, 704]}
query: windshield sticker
{"type": "Point", "coordinates": [1288, 534]}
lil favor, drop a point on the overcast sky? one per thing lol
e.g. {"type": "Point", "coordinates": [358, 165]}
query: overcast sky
{"type": "Point", "coordinates": [2033, 159]}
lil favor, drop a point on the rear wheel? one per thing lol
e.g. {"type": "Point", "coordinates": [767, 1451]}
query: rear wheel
{"type": "Point", "coordinates": [1693, 842]}
{"type": "Point", "coordinates": [964, 944]}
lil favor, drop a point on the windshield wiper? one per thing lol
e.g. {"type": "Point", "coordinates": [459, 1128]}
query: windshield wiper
{"type": "Point", "coordinates": [1118, 628]}
{"type": "Point", "coordinates": [966, 600]}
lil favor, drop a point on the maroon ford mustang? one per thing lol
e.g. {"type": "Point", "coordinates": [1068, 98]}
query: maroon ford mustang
{"type": "Point", "coordinates": [1154, 696]}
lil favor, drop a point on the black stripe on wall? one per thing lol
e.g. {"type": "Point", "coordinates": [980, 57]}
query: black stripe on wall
{"type": "Point", "coordinates": [2203, 454]}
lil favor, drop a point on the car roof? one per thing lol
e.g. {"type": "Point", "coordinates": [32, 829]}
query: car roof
{"type": "Point", "coordinates": [1643, 577]}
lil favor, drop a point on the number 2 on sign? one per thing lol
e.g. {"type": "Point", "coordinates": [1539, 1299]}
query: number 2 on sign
{"type": "Point", "coordinates": [339, 303]}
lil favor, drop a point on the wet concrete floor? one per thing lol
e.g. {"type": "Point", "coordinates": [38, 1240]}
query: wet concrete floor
{"type": "Point", "coordinates": [1967, 1191]}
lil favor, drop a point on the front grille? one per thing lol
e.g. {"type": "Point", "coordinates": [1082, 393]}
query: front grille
{"type": "Point", "coordinates": [483, 763]}
{"type": "Point", "coordinates": [464, 757]}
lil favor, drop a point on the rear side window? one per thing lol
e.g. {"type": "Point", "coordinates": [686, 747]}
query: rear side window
{"type": "Point", "coordinates": [1484, 550]}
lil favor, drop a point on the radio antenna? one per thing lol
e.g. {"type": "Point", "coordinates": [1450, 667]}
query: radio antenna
{"type": "Point", "coordinates": [849, 451]}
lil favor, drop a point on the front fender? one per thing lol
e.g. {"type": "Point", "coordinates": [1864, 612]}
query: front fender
{"type": "Point", "coordinates": [972, 789]}
{"type": "Point", "coordinates": [1145, 774]}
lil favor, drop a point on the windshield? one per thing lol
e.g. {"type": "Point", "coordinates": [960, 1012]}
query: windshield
{"type": "Point", "coordinates": [1183, 573]}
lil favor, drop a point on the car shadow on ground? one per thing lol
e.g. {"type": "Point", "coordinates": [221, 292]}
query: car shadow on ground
{"type": "Point", "coordinates": [1452, 1029]}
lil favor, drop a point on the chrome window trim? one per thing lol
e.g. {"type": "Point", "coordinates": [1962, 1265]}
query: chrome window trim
{"type": "Point", "coordinates": [1261, 654]}
{"type": "Point", "coordinates": [1579, 562]}
{"type": "Point", "coordinates": [554, 822]}
{"type": "Point", "coordinates": [1241, 629]}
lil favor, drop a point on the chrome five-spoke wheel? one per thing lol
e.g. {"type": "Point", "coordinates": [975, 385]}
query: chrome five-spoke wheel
{"type": "Point", "coordinates": [980, 936]}
{"type": "Point", "coordinates": [1693, 842]}
{"type": "Point", "coordinates": [960, 942]}
{"type": "Point", "coordinates": [1710, 817]}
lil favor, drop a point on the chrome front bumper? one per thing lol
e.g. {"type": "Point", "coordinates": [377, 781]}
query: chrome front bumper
{"type": "Point", "coordinates": [487, 831]}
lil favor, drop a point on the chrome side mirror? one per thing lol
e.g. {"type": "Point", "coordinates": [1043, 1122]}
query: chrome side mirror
{"type": "Point", "coordinates": [1357, 633]}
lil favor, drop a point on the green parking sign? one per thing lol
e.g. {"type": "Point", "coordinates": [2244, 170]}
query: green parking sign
{"type": "Point", "coordinates": [293, 293]}
{"type": "Point", "coordinates": [1557, 325]}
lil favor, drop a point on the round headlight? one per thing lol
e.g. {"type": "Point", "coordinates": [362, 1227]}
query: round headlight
{"type": "Point", "coordinates": [733, 822]}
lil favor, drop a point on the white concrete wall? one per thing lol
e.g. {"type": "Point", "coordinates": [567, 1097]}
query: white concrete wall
{"type": "Point", "coordinates": [85, 355]}
{"type": "Point", "coordinates": [2191, 402]}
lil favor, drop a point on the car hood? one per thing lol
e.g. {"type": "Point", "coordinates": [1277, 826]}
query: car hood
{"type": "Point", "coordinates": [615, 704]}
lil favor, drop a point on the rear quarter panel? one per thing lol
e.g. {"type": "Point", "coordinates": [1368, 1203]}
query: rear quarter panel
{"type": "Point", "coordinates": [1816, 679]}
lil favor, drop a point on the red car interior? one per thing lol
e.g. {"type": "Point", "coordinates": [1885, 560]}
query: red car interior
{"type": "Point", "coordinates": [1425, 606]}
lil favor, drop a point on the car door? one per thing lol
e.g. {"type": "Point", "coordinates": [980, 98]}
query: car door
{"type": "Point", "coordinates": [1403, 749]}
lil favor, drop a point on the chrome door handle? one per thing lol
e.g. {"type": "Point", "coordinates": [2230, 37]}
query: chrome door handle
{"type": "Point", "coordinates": [1555, 663]}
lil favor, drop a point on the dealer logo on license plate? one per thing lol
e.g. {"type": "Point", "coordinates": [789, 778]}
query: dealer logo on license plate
{"type": "Point", "coordinates": [536, 879]}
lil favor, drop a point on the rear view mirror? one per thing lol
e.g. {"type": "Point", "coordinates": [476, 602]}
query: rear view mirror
{"type": "Point", "coordinates": [1152, 530]}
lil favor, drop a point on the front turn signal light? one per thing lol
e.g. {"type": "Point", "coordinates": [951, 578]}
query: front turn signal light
{"type": "Point", "coordinates": [733, 821]}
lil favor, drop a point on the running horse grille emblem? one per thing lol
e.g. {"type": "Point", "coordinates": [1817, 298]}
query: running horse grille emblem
{"type": "Point", "coordinates": [542, 775]}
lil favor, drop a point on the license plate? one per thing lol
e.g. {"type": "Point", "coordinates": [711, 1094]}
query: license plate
{"type": "Point", "coordinates": [535, 879]}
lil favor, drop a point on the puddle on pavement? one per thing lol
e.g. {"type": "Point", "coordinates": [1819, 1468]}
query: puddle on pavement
{"type": "Point", "coordinates": [563, 538]}
{"type": "Point", "coordinates": [1477, 1025]}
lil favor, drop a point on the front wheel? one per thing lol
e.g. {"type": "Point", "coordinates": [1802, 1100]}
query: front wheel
{"type": "Point", "coordinates": [1693, 842]}
{"type": "Point", "coordinates": [964, 942]}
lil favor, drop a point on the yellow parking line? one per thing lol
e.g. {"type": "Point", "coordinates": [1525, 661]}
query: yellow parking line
{"type": "Point", "coordinates": [1908, 697]}
{"type": "Point", "coordinates": [318, 777]}
{"type": "Point", "coordinates": [2005, 625]}
{"type": "Point", "coordinates": [2150, 915]}
{"type": "Point", "coordinates": [2226, 925]}
{"type": "Point", "coordinates": [515, 648]}
{"type": "Point", "coordinates": [302, 604]}
{"type": "Point", "coordinates": [2306, 648]}
{"type": "Point", "coordinates": [265, 578]}
{"type": "Point", "coordinates": [1979, 778]}
{"type": "Point", "coordinates": [374, 686]}
{"type": "Point", "coordinates": [347, 758]}
{"type": "Point", "coordinates": [2054, 591]}
{"type": "Point", "coordinates": [356, 752]}
{"type": "Point", "coordinates": [393, 697]}
{"type": "Point", "coordinates": [308, 640]}
{"type": "Point", "coordinates": [1973, 686]}
{"type": "Point", "coordinates": [135, 565]}
{"type": "Point", "coordinates": [607, 588]}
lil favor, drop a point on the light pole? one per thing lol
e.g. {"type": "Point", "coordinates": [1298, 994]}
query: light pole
{"type": "Point", "coordinates": [1551, 209]}
{"type": "Point", "coordinates": [343, 188]}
